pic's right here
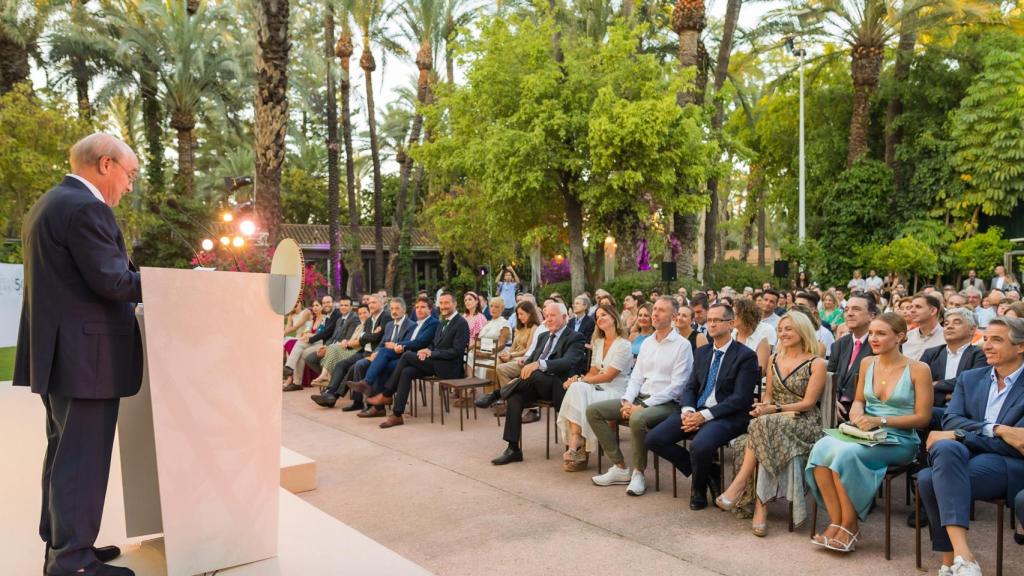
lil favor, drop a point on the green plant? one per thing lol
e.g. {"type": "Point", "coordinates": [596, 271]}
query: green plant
{"type": "Point", "coordinates": [981, 251]}
{"type": "Point", "coordinates": [737, 274]}
{"type": "Point", "coordinates": [563, 288]}
{"type": "Point", "coordinates": [645, 282]}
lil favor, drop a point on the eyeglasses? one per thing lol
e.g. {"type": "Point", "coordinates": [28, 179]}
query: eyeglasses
{"type": "Point", "coordinates": [131, 175]}
{"type": "Point", "coordinates": [717, 320]}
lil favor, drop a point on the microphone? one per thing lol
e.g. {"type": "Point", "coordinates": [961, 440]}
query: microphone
{"type": "Point", "coordinates": [173, 203]}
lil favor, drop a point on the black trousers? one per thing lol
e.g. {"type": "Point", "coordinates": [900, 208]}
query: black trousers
{"type": "Point", "coordinates": [704, 443]}
{"type": "Point", "coordinates": [338, 376]}
{"type": "Point", "coordinates": [409, 368]}
{"type": "Point", "coordinates": [356, 373]}
{"type": "Point", "coordinates": [539, 386]}
{"type": "Point", "coordinates": [79, 443]}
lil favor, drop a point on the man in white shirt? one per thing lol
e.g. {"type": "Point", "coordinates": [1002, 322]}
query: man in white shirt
{"type": "Point", "coordinates": [873, 282]}
{"type": "Point", "coordinates": [857, 282]}
{"type": "Point", "coordinates": [926, 312]}
{"type": "Point", "coordinates": [769, 300]}
{"type": "Point", "coordinates": [985, 314]}
{"type": "Point", "coordinates": [825, 336]}
{"type": "Point", "coordinates": [662, 368]}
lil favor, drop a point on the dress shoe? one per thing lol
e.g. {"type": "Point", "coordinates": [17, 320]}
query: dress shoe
{"type": "Point", "coordinates": [325, 400]}
{"type": "Point", "coordinates": [924, 521]}
{"type": "Point", "coordinates": [392, 421]}
{"type": "Point", "coordinates": [380, 400]}
{"type": "Point", "coordinates": [698, 501]}
{"type": "Point", "coordinates": [353, 407]}
{"type": "Point", "coordinates": [372, 412]}
{"type": "Point", "coordinates": [361, 386]}
{"type": "Point", "coordinates": [508, 456]}
{"type": "Point", "coordinates": [101, 569]}
{"type": "Point", "coordinates": [487, 400]}
{"type": "Point", "coordinates": [531, 416]}
{"type": "Point", "coordinates": [292, 387]}
{"type": "Point", "coordinates": [1018, 538]}
{"type": "Point", "coordinates": [106, 553]}
{"type": "Point", "coordinates": [713, 484]}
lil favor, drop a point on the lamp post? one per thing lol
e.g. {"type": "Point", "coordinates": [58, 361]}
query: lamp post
{"type": "Point", "coordinates": [801, 53]}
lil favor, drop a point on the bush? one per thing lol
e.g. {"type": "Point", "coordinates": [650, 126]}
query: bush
{"type": "Point", "coordinates": [981, 252]}
{"type": "Point", "coordinates": [645, 281]}
{"type": "Point", "coordinates": [564, 288]}
{"type": "Point", "coordinates": [737, 274]}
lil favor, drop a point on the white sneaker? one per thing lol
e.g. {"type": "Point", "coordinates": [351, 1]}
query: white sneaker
{"type": "Point", "coordinates": [962, 568]}
{"type": "Point", "coordinates": [945, 571]}
{"type": "Point", "coordinates": [614, 475]}
{"type": "Point", "coordinates": [637, 484]}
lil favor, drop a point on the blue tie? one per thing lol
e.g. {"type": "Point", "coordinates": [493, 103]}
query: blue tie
{"type": "Point", "coordinates": [709, 386]}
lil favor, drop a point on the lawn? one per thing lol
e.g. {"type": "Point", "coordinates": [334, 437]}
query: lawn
{"type": "Point", "coordinates": [6, 364]}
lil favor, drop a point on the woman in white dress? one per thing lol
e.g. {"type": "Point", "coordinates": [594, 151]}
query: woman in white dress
{"type": "Point", "coordinates": [610, 365]}
{"type": "Point", "coordinates": [752, 333]}
{"type": "Point", "coordinates": [493, 338]}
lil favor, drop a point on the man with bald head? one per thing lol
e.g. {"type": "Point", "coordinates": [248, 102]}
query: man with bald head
{"type": "Point", "coordinates": [559, 354]}
{"type": "Point", "coordinates": [79, 346]}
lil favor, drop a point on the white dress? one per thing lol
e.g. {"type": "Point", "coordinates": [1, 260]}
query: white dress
{"type": "Point", "coordinates": [762, 332]}
{"type": "Point", "coordinates": [580, 394]}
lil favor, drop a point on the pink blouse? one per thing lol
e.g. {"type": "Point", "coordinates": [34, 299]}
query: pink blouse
{"type": "Point", "coordinates": [476, 324]}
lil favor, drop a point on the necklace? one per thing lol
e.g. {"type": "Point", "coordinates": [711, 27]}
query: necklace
{"type": "Point", "coordinates": [887, 372]}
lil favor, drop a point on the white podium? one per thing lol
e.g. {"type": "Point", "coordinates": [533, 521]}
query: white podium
{"type": "Point", "coordinates": [200, 444]}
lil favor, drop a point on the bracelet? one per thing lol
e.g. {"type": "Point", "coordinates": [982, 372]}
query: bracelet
{"type": "Point", "coordinates": [778, 407]}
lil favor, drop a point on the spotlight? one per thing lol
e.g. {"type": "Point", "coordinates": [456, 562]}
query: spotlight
{"type": "Point", "coordinates": [247, 227]}
{"type": "Point", "coordinates": [238, 242]}
{"type": "Point", "coordinates": [207, 244]}
{"type": "Point", "coordinates": [227, 217]}
{"type": "Point", "coordinates": [224, 240]}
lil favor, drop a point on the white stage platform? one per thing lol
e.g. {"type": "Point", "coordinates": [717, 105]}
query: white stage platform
{"type": "Point", "coordinates": [311, 543]}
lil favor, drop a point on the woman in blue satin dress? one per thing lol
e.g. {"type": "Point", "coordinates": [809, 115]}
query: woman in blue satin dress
{"type": "Point", "coordinates": [893, 392]}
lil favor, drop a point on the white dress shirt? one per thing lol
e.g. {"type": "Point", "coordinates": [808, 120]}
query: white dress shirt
{"type": "Point", "coordinates": [711, 401]}
{"type": "Point", "coordinates": [997, 398]}
{"type": "Point", "coordinates": [826, 337]}
{"type": "Point", "coordinates": [953, 360]}
{"type": "Point", "coordinates": [917, 342]}
{"type": "Point", "coordinates": [661, 370]}
{"type": "Point", "coordinates": [95, 191]}
{"type": "Point", "coordinates": [416, 330]}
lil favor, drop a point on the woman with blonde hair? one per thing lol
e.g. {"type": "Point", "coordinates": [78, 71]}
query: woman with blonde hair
{"type": "Point", "coordinates": [642, 328]}
{"type": "Point", "coordinates": [610, 367]}
{"type": "Point", "coordinates": [831, 312]}
{"type": "Point", "coordinates": [786, 424]}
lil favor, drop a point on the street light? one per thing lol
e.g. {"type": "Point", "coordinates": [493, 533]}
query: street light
{"type": "Point", "coordinates": [801, 53]}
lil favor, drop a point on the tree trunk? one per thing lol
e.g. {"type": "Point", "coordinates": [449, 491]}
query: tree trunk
{"type": "Point", "coordinates": [687, 227]}
{"type": "Point", "coordinates": [271, 109]}
{"type": "Point", "coordinates": [368, 64]}
{"type": "Point", "coordinates": [865, 66]}
{"type": "Point", "coordinates": [153, 128]}
{"type": "Point", "coordinates": [762, 221]}
{"type": "Point", "coordinates": [184, 124]}
{"type": "Point", "coordinates": [732, 14]}
{"type": "Point", "coordinates": [333, 201]}
{"type": "Point", "coordinates": [893, 133]}
{"type": "Point", "coordinates": [574, 218]}
{"type": "Point", "coordinates": [14, 67]}
{"type": "Point", "coordinates": [688, 19]}
{"type": "Point", "coordinates": [343, 50]}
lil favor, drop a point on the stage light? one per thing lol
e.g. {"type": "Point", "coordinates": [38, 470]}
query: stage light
{"type": "Point", "coordinates": [247, 227]}
{"type": "Point", "coordinates": [224, 240]}
{"type": "Point", "coordinates": [238, 242]}
{"type": "Point", "coordinates": [207, 244]}
{"type": "Point", "coordinates": [228, 217]}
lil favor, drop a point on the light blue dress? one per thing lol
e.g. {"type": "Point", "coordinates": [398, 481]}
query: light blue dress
{"type": "Point", "coordinates": [637, 342]}
{"type": "Point", "coordinates": [861, 468]}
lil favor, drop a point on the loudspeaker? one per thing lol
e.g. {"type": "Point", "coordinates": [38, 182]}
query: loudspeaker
{"type": "Point", "coordinates": [668, 271]}
{"type": "Point", "coordinates": [781, 269]}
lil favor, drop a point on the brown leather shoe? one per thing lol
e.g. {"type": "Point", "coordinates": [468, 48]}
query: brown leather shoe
{"type": "Point", "coordinates": [380, 400]}
{"type": "Point", "coordinates": [531, 416]}
{"type": "Point", "coordinates": [392, 421]}
{"type": "Point", "coordinates": [372, 412]}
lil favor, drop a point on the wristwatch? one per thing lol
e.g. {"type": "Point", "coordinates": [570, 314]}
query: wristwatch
{"type": "Point", "coordinates": [959, 436]}
{"type": "Point", "coordinates": [778, 407]}
{"type": "Point", "coordinates": [884, 420]}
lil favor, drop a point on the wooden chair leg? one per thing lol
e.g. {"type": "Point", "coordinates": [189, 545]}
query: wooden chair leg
{"type": "Point", "coordinates": [547, 436]}
{"type": "Point", "coordinates": [888, 518]}
{"type": "Point", "coordinates": [657, 474]}
{"type": "Point", "coordinates": [917, 524]}
{"type": "Point", "coordinates": [412, 407]}
{"type": "Point", "coordinates": [814, 517]}
{"type": "Point", "coordinates": [792, 527]}
{"type": "Point", "coordinates": [462, 408]}
{"type": "Point", "coordinates": [431, 402]}
{"type": "Point", "coordinates": [999, 539]}
{"type": "Point", "coordinates": [675, 489]}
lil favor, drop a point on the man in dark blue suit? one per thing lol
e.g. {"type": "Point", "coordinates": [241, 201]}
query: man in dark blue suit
{"type": "Point", "coordinates": [79, 346]}
{"type": "Point", "coordinates": [971, 458]}
{"type": "Point", "coordinates": [716, 405]}
{"type": "Point", "coordinates": [414, 336]}
{"type": "Point", "coordinates": [396, 329]}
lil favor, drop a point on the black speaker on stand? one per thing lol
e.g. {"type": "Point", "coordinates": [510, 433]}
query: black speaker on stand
{"type": "Point", "coordinates": [781, 269]}
{"type": "Point", "coordinates": [668, 274]}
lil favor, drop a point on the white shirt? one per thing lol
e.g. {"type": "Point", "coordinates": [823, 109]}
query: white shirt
{"type": "Point", "coordinates": [396, 327]}
{"type": "Point", "coordinates": [711, 401]}
{"type": "Point", "coordinates": [874, 283]}
{"type": "Point", "coordinates": [996, 399]}
{"type": "Point", "coordinates": [773, 323]}
{"type": "Point", "coordinates": [953, 360]}
{"type": "Point", "coordinates": [416, 330]}
{"type": "Point", "coordinates": [856, 284]}
{"type": "Point", "coordinates": [543, 362]}
{"type": "Point", "coordinates": [541, 329]}
{"type": "Point", "coordinates": [826, 337]}
{"type": "Point", "coordinates": [984, 315]}
{"type": "Point", "coordinates": [917, 342]}
{"type": "Point", "coordinates": [661, 369]}
{"type": "Point", "coordinates": [95, 191]}
{"type": "Point", "coordinates": [772, 320]}
{"type": "Point", "coordinates": [762, 332]}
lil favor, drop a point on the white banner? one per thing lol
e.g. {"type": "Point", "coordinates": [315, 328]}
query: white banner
{"type": "Point", "coordinates": [12, 282]}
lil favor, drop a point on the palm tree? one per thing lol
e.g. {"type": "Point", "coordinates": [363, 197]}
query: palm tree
{"type": "Point", "coordinates": [333, 205]}
{"type": "Point", "coordinates": [21, 24]}
{"type": "Point", "coordinates": [343, 50]}
{"type": "Point", "coordinates": [867, 27]}
{"type": "Point", "coordinates": [271, 108]}
{"type": "Point", "coordinates": [457, 14]}
{"type": "Point", "coordinates": [72, 45]}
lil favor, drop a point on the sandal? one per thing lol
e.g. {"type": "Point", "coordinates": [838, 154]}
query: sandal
{"type": "Point", "coordinates": [759, 530]}
{"type": "Point", "coordinates": [822, 540]}
{"type": "Point", "coordinates": [724, 503]}
{"type": "Point", "coordinates": [847, 547]}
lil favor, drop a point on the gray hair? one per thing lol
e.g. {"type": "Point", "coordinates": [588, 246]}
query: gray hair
{"type": "Point", "coordinates": [89, 150]}
{"type": "Point", "coordinates": [1014, 325]}
{"type": "Point", "coordinates": [496, 301]}
{"type": "Point", "coordinates": [672, 301]}
{"type": "Point", "coordinates": [964, 313]}
{"type": "Point", "coordinates": [376, 297]}
{"type": "Point", "coordinates": [584, 298]}
{"type": "Point", "coordinates": [971, 291]}
{"type": "Point", "coordinates": [560, 306]}
{"type": "Point", "coordinates": [398, 301]}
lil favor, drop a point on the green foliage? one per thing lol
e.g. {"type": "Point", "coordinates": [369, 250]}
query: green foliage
{"type": "Point", "coordinates": [737, 274]}
{"type": "Point", "coordinates": [36, 132]}
{"type": "Point", "coordinates": [646, 281]}
{"type": "Point", "coordinates": [304, 197]}
{"type": "Point", "coordinates": [171, 238]}
{"type": "Point", "coordinates": [465, 225]}
{"type": "Point", "coordinates": [988, 129]}
{"type": "Point", "coordinates": [910, 257]}
{"type": "Point", "coordinates": [981, 251]}
{"type": "Point", "coordinates": [563, 288]}
{"type": "Point", "coordinates": [7, 363]}
{"type": "Point", "coordinates": [10, 252]}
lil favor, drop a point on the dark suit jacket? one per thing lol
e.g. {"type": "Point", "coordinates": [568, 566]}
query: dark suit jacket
{"type": "Point", "coordinates": [371, 334]}
{"type": "Point", "coordinates": [935, 358]}
{"type": "Point", "coordinates": [448, 350]}
{"type": "Point", "coordinates": [404, 331]}
{"type": "Point", "coordinates": [966, 411]}
{"type": "Point", "coordinates": [344, 328]}
{"type": "Point", "coordinates": [839, 364]}
{"type": "Point", "coordinates": [327, 332]}
{"type": "Point", "coordinates": [586, 328]}
{"type": "Point", "coordinates": [78, 335]}
{"type": "Point", "coordinates": [566, 356]}
{"type": "Point", "coordinates": [425, 336]}
{"type": "Point", "coordinates": [734, 387]}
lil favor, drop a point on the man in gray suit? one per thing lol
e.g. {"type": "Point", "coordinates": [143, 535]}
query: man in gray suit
{"type": "Point", "coordinates": [972, 281]}
{"type": "Point", "coordinates": [79, 346]}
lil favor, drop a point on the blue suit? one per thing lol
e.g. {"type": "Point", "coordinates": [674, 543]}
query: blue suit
{"type": "Point", "coordinates": [386, 360]}
{"type": "Point", "coordinates": [979, 468]}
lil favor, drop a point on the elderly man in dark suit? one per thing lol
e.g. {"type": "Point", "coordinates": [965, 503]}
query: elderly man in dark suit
{"type": "Point", "coordinates": [848, 351]}
{"type": "Point", "coordinates": [444, 358]}
{"type": "Point", "coordinates": [972, 458]}
{"type": "Point", "coordinates": [558, 354]}
{"type": "Point", "coordinates": [79, 346]}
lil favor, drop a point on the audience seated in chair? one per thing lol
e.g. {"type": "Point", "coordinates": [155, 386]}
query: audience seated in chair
{"type": "Point", "coordinates": [978, 454]}
{"type": "Point", "coordinates": [343, 330]}
{"type": "Point", "coordinates": [851, 349]}
{"type": "Point", "coordinates": [373, 332]}
{"type": "Point", "coordinates": [662, 367]}
{"type": "Point", "coordinates": [307, 346]}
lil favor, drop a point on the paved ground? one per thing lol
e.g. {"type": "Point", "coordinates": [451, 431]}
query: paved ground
{"type": "Point", "coordinates": [430, 493]}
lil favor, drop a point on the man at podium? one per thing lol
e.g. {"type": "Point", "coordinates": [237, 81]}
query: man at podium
{"type": "Point", "coordinates": [79, 346]}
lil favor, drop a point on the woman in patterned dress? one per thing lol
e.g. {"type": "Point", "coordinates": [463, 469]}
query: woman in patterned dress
{"type": "Point", "coordinates": [785, 427]}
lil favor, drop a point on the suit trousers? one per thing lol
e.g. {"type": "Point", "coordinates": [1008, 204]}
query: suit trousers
{"type": "Point", "coordinates": [356, 373]}
{"type": "Point", "coordinates": [704, 443]}
{"type": "Point", "coordinates": [607, 412]}
{"type": "Point", "coordinates": [409, 368]}
{"type": "Point", "coordinates": [506, 371]}
{"type": "Point", "coordinates": [539, 386]}
{"type": "Point", "coordinates": [1018, 507]}
{"type": "Point", "coordinates": [312, 359]}
{"type": "Point", "coordinates": [955, 479]}
{"type": "Point", "coordinates": [340, 373]}
{"type": "Point", "coordinates": [79, 443]}
{"type": "Point", "coordinates": [381, 367]}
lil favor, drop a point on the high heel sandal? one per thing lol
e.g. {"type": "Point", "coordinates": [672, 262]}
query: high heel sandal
{"type": "Point", "coordinates": [841, 547]}
{"type": "Point", "coordinates": [759, 530]}
{"type": "Point", "coordinates": [824, 539]}
{"type": "Point", "coordinates": [724, 503]}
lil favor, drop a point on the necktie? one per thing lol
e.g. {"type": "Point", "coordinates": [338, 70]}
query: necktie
{"type": "Point", "coordinates": [709, 386]}
{"type": "Point", "coordinates": [856, 351]}
{"type": "Point", "coordinates": [394, 333]}
{"type": "Point", "coordinates": [547, 347]}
